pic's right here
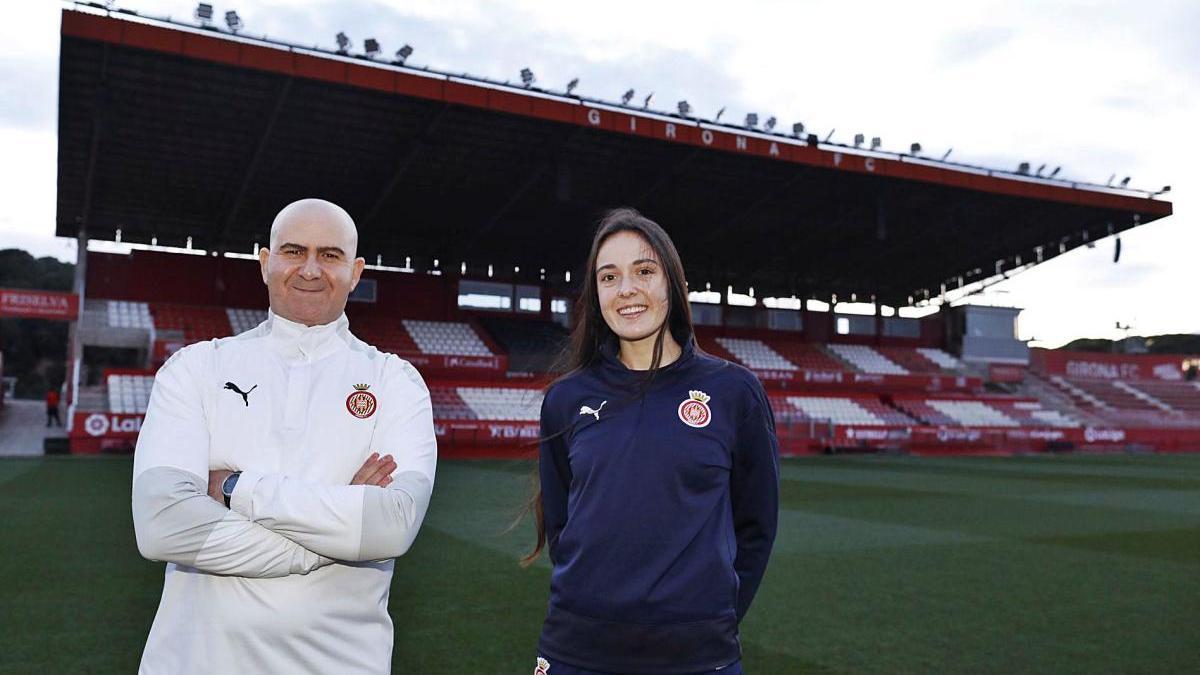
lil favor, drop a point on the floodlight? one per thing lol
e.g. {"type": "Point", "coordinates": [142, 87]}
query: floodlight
{"type": "Point", "coordinates": [914, 149]}
{"type": "Point", "coordinates": [684, 108]}
{"type": "Point", "coordinates": [233, 21]}
{"type": "Point", "coordinates": [1055, 171]}
{"type": "Point", "coordinates": [719, 113]}
{"type": "Point", "coordinates": [371, 47]}
{"type": "Point", "coordinates": [858, 140]}
{"type": "Point", "coordinates": [947, 155]}
{"type": "Point", "coordinates": [646, 101]}
{"type": "Point", "coordinates": [1039, 171]}
{"type": "Point", "coordinates": [1165, 188]}
{"type": "Point", "coordinates": [876, 142]}
{"type": "Point", "coordinates": [1111, 179]}
{"type": "Point", "coordinates": [1023, 168]}
{"type": "Point", "coordinates": [627, 97]}
{"type": "Point", "coordinates": [1125, 181]}
{"type": "Point", "coordinates": [798, 129]}
{"type": "Point", "coordinates": [571, 85]}
{"type": "Point", "coordinates": [403, 53]}
{"type": "Point", "coordinates": [527, 77]}
{"type": "Point", "coordinates": [770, 123]}
{"type": "Point", "coordinates": [751, 120]}
{"type": "Point", "coordinates": [343, 43]}
{"type": "Point", "coordinates": [204, 13]}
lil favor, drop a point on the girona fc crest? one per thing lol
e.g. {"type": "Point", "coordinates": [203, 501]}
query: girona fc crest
{"type": "Point", "coordinates": [361, 403]}
{"type": "Point", "coordinates": [694, 410]}
{"type": "Point", "coordinates": [543, 667]}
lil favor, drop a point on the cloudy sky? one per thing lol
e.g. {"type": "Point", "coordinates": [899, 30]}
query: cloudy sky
{"type": "Point", "coordinates": [1100, 88]}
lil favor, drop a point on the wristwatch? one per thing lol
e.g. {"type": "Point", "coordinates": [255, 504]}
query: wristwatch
{"type": "Point", "coordinates": [228, 485]}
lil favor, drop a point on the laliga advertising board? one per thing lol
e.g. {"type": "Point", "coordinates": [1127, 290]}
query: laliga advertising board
{"type": "Point", "coordinates": [106, 425]}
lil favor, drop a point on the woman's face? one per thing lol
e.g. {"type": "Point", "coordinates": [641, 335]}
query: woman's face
{"type": "Point", "coordinates": [632, 286]}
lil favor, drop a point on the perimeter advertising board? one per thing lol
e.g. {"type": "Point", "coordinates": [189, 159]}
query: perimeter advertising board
{"type": "Point", "coordinates": [31, 304]}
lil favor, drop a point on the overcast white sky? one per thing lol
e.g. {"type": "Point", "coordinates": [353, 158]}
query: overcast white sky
{"type": "Point", "coordinates": [1096, 87]}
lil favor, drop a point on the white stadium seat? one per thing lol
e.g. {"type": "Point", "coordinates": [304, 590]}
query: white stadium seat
{"type": "Point", "coordinates": [756, 354]}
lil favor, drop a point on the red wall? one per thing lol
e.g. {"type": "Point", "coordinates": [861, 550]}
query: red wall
{"type": "Point", "coordinates": [1098, 365]}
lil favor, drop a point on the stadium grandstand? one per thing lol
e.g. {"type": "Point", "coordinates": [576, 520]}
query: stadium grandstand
{"type": "Point", "coordinates": [475, 202]}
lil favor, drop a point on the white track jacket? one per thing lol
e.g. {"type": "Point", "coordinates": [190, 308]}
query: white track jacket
{"type": "Point", "coordinates": [294, 577]}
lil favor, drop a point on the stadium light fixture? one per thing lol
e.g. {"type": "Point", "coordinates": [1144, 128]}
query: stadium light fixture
{"type": "Point", "coordinates": [1023, 168]}
{"type": "Point", "coordinates": [770, 125]}
{"type": "Point", "coordinates": [343, 43]}
{"type": "Point", "coordinates": [371, 47]}
{"type": "Point", "coordinates": [751, 120]}
{"type": "Point", "coordinates": [204, 13]}
{"type": "Point", "coordinates": [646, 101]}
{"type": "Point", "coordinates": [1055, 171]}
{"type": "Point", "coordinates": [1039, 171]}
{"type": "Point", "coordinates": [684, 108]}
{"type": "Point", "coordinates": [1125, 181]}
{"type": "Point", "coordinates": [859, 139]}
{"type": "Point", "coordinates": [571, 85]}
{"type": "Point", "coordinates": [829, 136]}
{"type": "Point", "coordinates": [719, 113]}
{"type": "Point", "coordinates": [1165, 188]}
{"type": "Point", "coordinates": [527, 77]}
{"type": "Point", "coordinates": [233, 21]}
{"type": "Point", "coordinates": [1111, 179]}
{"type": "Point", "coordinates": [627, 97]}
{"type": "Point", "coordinates": [403, 53]}
{"type": "Point", "coordinates": [876, 142]}
{"type": "Point", "coordinates": [914, 149]}
{"type": "Point", "coordinates": [798, 129]}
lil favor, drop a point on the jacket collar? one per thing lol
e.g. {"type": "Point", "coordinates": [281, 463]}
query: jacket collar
{"type": "Point", "coordinates": [611, 362]}
{"type": "Point", "coordinates": [297, 342]}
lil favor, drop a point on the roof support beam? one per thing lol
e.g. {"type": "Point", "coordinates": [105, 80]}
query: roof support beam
{"type": "Point", "coordinates": [98, 117]}
{"type": "Point", "coordinates": [407, 157]}
{"type": "Point", "coordinates": [252, 166]}
{"type": "Point", "coordinates": [665, 176]}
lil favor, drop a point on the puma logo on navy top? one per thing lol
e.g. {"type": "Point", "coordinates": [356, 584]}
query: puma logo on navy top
{"type": "Point", "coordinates": [585, 410]}
{"type": "Point", "coordinates": [244, 394]}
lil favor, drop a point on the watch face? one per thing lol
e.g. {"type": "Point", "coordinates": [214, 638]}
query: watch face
{"type": "Point", "coordinates": [229, 484]}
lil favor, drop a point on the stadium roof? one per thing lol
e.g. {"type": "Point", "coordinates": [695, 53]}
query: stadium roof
{"type": "Point", "coordinates": [169, 131]}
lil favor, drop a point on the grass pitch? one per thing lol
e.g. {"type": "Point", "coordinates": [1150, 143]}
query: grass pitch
{"type": "Point", "coordinates": [883, 565]}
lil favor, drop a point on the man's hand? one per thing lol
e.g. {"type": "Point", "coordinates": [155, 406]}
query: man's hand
{"type": "Point", "coordinates": [215, 480]}
{"type": "Point", "coordinates": [375, 471]}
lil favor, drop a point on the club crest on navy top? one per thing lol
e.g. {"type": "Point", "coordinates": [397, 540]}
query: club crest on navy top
{"type": "Point", "coordinates": [694, 410]}
{"type": "Point", "coordinates": [361, 403]}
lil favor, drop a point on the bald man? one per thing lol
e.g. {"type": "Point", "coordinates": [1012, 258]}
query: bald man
{"type": "Point", "coordinates": [278, 473]}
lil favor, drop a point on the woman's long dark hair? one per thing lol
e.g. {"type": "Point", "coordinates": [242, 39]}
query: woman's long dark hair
{"type": "Point", "coordinates": [590, 331]}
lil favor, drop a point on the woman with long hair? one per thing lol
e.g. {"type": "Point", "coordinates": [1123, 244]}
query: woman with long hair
{"type": "Point", "coordinates": [659, 479]}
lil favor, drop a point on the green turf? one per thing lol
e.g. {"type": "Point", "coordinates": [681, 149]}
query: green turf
{"type": "Point", "coordinates": [883, 565]}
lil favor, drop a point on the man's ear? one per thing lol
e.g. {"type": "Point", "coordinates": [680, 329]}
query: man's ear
{"type": "Point", "coordinates": [359, 263]}
{"type": "Point", "coordinates": [264, 254]}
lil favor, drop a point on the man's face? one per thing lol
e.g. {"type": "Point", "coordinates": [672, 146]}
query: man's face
{"type": "Point", "coordinates": [310, 268]}
{"type": "Point", "coordinates": [632, 286]}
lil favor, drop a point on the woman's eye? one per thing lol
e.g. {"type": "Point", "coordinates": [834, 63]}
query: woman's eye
{"type": "Point", "coordinates": [606, 278]}
{"type": "Point", "coordinates": [645, 271]}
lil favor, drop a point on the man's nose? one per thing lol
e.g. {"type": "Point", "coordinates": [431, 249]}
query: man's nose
{"type": "Point", "coordinates": [310, 270]}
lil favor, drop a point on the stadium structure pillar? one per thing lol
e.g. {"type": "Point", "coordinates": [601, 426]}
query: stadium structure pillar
{"type": "Point", "coordinates": [74, 339]}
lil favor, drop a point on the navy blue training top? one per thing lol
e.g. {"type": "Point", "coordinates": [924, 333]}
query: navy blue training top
{"type": "Point", "coordinates": [660, 513]}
